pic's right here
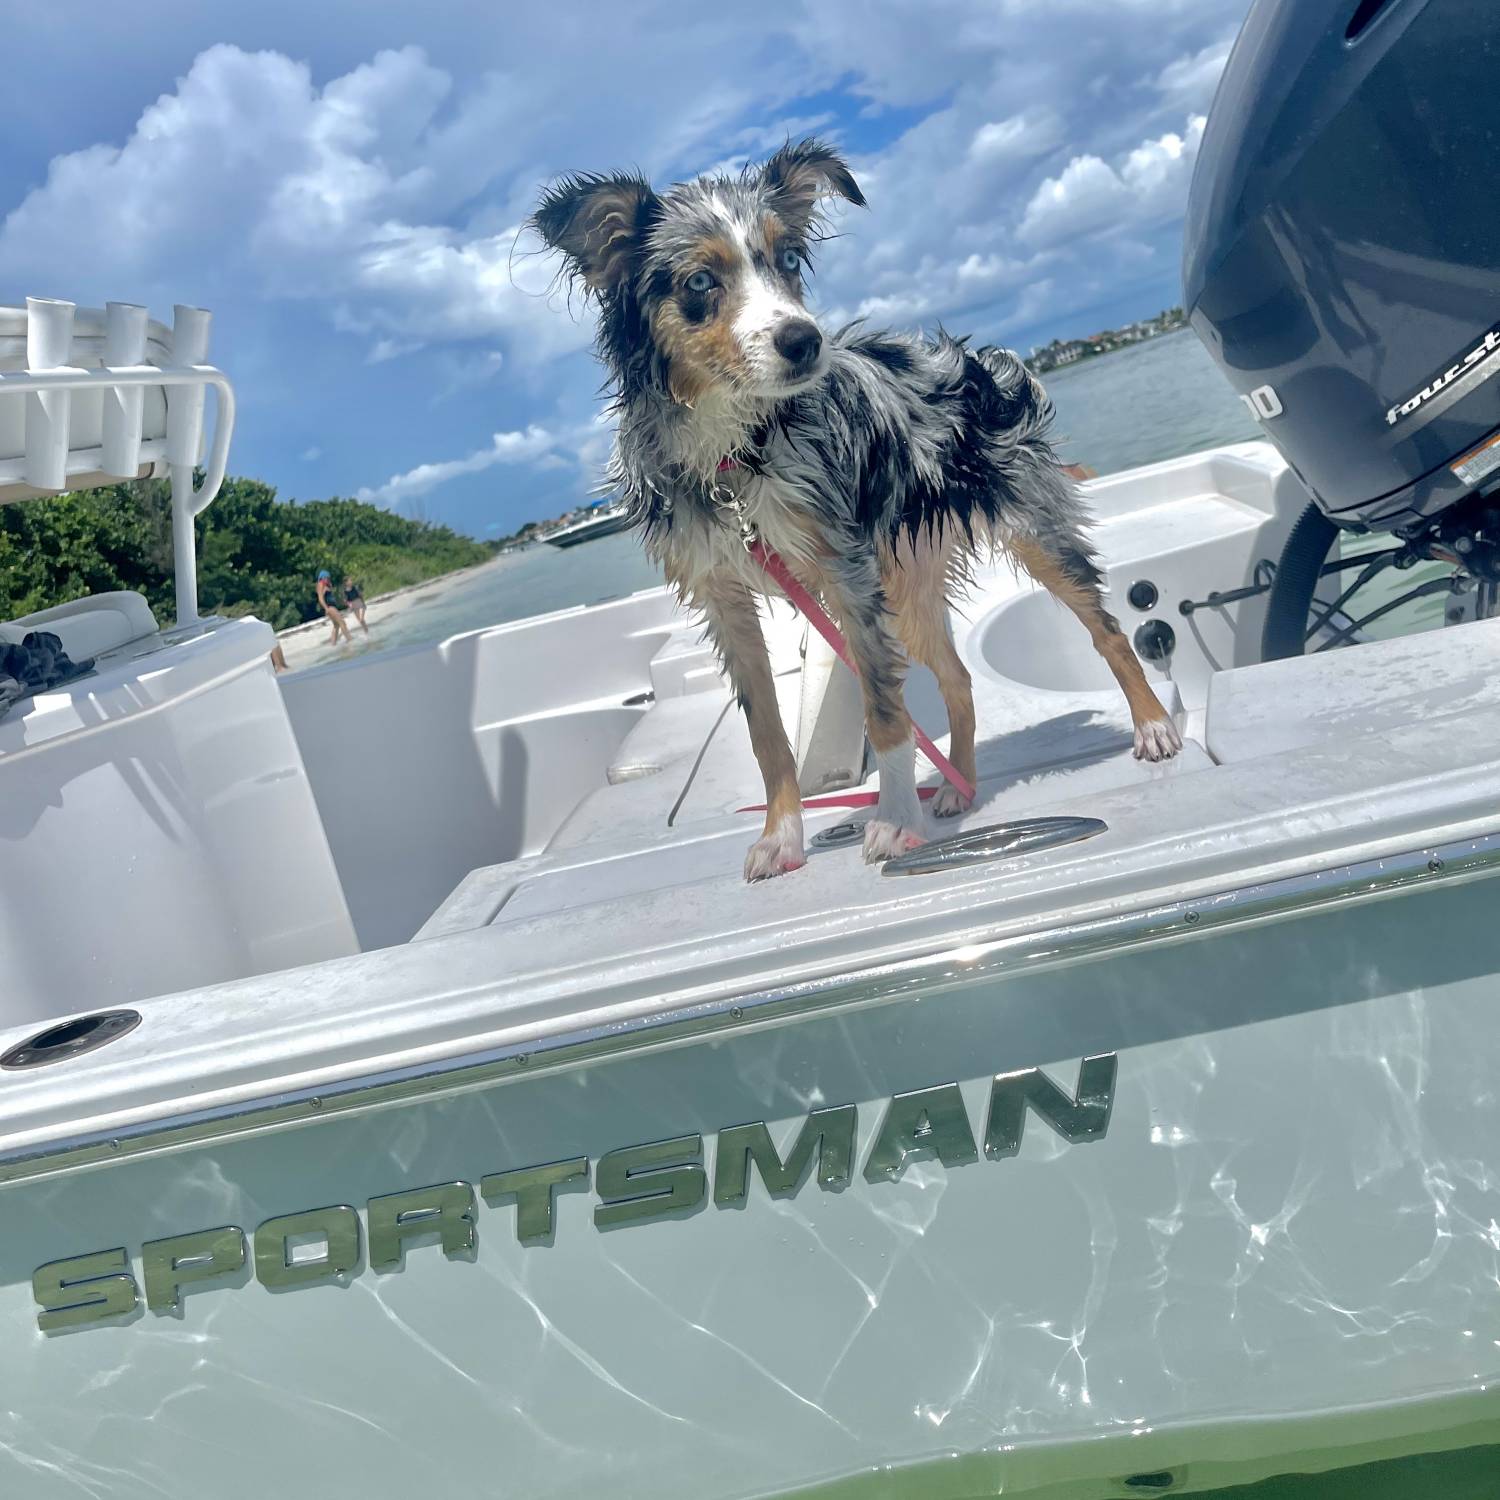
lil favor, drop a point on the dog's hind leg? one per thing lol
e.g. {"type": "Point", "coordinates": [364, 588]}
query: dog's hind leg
{"type": "Point", "coordinates": [734, 628]}
{"type": "Point", "coordinates": [1066, 569]}
{"type": "Point", "coordinates": [917, 587]}
{"type": "Point", "coordinates": [860, 602]}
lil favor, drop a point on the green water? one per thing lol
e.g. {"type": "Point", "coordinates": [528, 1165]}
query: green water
{"type": "Point", "coordinates": [1469, 1474]}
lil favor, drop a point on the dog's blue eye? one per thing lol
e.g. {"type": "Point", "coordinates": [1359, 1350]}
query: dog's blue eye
{"type": "Point", "coordinates": [700, 281]}
{"type": "Point", "coordinates": [790, 260]}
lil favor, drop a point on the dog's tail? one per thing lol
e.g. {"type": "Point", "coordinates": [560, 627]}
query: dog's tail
{"type": "Point", "coordinates": [1037, 499]}
{"type": "Point", "coordinates": [1029, 407]}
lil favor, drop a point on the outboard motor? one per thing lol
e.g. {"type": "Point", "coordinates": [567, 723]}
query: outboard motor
{"type": "Point", "coordinates": [1342, 265]}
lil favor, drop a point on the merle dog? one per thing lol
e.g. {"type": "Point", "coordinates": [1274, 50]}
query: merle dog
{"type": "Point", "coordinates": [878, 465]}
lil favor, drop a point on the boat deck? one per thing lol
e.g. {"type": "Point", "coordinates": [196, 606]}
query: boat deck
{"type": "Point", "coordinates": [1270, 751]}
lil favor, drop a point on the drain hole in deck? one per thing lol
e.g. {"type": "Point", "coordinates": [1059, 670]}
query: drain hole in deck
{"type": "Point", "coordinates": [1159, 1479]}
{"type": "Point", "coordinates": [839, 834]}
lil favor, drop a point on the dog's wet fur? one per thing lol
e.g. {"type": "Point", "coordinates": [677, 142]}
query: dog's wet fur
{"type": "Point", "coordinates": [878, 465]}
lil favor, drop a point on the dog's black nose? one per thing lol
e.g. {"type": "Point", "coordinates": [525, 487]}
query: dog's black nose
{"type": "Point", "coordinates": [799, 343]}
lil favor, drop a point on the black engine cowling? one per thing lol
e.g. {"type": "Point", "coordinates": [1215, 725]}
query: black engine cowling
{"type": "Point", "coordinates": [1342, 249]}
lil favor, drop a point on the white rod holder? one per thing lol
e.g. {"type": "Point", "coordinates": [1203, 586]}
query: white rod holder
{"type": "Point", "coordinates": [184, 548]}
{"type": "Point", "coordinates": [190, 327]}
{"type": "Point", "coordinates": [186, 501]}
{"type": "Point", "coordinates": [124, 405]}
{"type": "Point", "coordinates": [49, 341]}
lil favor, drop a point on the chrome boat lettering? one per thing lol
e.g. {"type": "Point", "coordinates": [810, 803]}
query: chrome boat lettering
{"type": "Point", "coordinates": [85, 1289]}
{"type": "Point", "coordinates": [533, 1188]}
{"type": "Point", "coordinates": [277, 1262]}
{"type": "Point", "coordinates": [929, 1122]}
{"type": "Point", "coordinates": [828, 1132]}
{"type": "Point", "coordinates": [171, 1264]}
{"type": "Point", "coordinates": [1082, 1117]}
{"type": "Point", "coordinates": [446, 1209]}
{"type": "Point", "coordinates": [643, 1182]}
{"type": "Point", "coordinates": [633, 1184]}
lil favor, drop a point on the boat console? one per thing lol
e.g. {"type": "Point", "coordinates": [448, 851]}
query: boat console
{"type": "Point", "coordinates": [158, 831]}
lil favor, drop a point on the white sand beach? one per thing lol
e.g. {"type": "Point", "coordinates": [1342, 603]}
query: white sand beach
{"type": "Point", "coordinates": [309, 645]}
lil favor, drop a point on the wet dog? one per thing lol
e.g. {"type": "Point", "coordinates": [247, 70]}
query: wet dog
{"type": "Point", "coordinates": [878, 465]}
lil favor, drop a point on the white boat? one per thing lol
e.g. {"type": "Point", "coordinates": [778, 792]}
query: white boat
{"type": "Point", "coordinates": [601, 520]}
{"type": "Point", "coordinates": [443, 1102]}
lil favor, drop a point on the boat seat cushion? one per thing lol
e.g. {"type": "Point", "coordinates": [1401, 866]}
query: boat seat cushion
{"type": "Point", "coordinates": [1338, 697]}
{"type": "Point", "coordinates": [87, 627]}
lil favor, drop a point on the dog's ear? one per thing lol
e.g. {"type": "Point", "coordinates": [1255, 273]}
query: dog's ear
{"type": "Point", "coordinates": [599, 223]}
{"type": "Point", "coordinates": [803, 172]}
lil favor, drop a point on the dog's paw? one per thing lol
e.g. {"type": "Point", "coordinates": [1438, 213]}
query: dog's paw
{"type": "Point", "coordinates": [778, 853]}
{"type": "Point", "coordinates": [1157, 739]}
{"type": "Point", "coordinates": [882, 840]}
{"type": "Point", "coordinates": [949, 802]}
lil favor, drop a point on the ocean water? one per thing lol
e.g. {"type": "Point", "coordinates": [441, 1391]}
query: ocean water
{"type": "Point", "coordinates": [1154, 401]}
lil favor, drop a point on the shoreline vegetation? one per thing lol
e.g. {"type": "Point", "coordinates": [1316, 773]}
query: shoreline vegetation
{"type": "Point", "coordinates": [1063, 352]}
{"type": "Point", "coordinates": [256, 554]}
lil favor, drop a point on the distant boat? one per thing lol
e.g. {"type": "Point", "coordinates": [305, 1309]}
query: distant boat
{"type": "Point", "coordinates": [601, 521]}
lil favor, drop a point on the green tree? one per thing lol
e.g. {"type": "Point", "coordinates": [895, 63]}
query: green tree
{"type": "Point", "coordinates": [256, 554]}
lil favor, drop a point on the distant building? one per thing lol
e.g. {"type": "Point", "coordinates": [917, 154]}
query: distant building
{"type": "Point", "coordinates": [1062, 352]}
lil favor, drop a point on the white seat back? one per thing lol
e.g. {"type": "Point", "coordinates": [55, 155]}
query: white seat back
{"type": "Point", "coordinates": [88, 627]}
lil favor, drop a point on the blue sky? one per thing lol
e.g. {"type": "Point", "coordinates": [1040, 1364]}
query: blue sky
{"type": "Point", "coordinates": [343, 184]}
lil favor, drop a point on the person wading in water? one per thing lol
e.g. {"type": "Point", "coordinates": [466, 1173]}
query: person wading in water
{"type": "Point", "coordinates": [335, 615]}
{"type": "Point", "coordinates": [354, 602]}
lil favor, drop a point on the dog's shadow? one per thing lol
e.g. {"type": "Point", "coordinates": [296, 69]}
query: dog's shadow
{"type": "Point", "coordinates": [1036, 752]}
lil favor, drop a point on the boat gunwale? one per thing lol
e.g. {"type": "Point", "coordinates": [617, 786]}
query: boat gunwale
{"type": "Point", "coordinates": [1190, 918]}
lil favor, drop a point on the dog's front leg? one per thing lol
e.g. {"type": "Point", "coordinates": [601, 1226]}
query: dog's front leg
{"type": "Point", "coordinates": [734, 628]}
{"type": "Point", "coordinates": [861, 605]}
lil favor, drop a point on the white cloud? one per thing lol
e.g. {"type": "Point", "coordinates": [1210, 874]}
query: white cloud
{"type": "Point", "coordinates": [1016, 139]}
{"type": "Point", "coordinates": [384, 349]}
{"type": "Point", "coordinates": [1157, 173]}
{"type": "Point", "coordinates": [462, 370]}
{"type": "Point", "coordinates": [249, 178]}
{"type": "Point", "coordinates": [1187, 83]}
{"type": "Point", "coordinates": [312, 455]}
{"type": "Point", "coordinates": [504, 448]}
{"type": "Point", "coordinates": [1089, 195]}
{"type": "Point", "coordinates": [374, 210]}
{"type": "Point", "coordinates": [985, 214]}
{"type": "Point", "coordinates": [1034, 300]}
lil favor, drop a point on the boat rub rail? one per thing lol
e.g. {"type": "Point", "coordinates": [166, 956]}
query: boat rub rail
{"type": "Point", "coordinates": [1369, 879]}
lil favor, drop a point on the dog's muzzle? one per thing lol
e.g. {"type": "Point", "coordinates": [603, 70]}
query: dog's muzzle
{"type": "Point", "coordinates": [799, 342]}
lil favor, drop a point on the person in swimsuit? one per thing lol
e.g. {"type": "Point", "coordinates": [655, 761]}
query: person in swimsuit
{"type": "Point", "coordinates": [355, 602]}
{"type": "Point", "coordinates": [325, 599]}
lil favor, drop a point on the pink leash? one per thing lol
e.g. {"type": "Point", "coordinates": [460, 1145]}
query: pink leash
{"type": "Point", "coordinates": [771, 562]}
